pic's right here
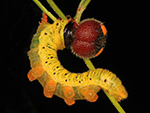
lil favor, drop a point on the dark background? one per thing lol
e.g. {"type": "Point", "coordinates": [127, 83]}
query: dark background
{"type": "Point", "coordinates": [19, 21]}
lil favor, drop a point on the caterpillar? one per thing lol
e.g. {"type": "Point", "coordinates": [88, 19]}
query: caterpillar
{"type": "Point", "coordinates": [55, 79]}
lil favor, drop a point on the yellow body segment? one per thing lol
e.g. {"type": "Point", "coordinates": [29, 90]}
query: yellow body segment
{"type": "Point", "coordinates": [56, 79]}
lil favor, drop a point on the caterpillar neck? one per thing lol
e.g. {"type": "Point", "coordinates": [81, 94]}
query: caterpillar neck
{"type": "Point", "coordinates": [69, 33]}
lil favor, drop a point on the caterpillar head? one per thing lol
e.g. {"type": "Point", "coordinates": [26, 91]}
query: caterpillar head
{"type": "Point", "coordinates": [87, 40]}
{"type": "Point", "coordinates": [90, 38]}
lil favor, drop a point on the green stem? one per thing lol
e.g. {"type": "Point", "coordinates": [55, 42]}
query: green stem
{"type": "Point", "coordinates": [111, 98]}
{"type": "Point", "coordinates": [45, 10]}
{"type": "Point", "coordinates": [89, 64]}
{"type": "Point", "coordinates": [114, 102]}
{"type": "Point", "coordinates": [82, 6]}
{"type": "Point", "coordinates": [57, 10]}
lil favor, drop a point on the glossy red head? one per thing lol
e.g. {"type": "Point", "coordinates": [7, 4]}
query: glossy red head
{"type": "Point", "coordinates": [90, 38]}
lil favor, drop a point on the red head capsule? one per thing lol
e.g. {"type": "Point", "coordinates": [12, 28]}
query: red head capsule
{"type": "Point", "coordinates": [90, 38]}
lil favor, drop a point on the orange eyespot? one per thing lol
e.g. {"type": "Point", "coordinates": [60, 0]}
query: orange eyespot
{"type": "Point", "coordinates": [104, 30]}
{"type": "Point", "coordinates": [101, 50]}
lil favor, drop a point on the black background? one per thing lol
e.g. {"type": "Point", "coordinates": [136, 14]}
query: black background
{"type": "Point", "coordinates": [19, 21]}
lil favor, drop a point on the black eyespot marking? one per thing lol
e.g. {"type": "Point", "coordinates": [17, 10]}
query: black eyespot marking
{"type": "Point", "coordinates": [52, 57]}
{"type": "Point", "coordinates": [54, 73]}
{"type": "Point", "coordinates": [105, 80]}
{"type": "Point", "coordinates": [66, 73]}
{"type": "Point", "coordinates": [66, 80]}
{"type": "Point", "coordinates": [57, 24]}
{"type": "Point", "coordinates": [57, 67]}
{"type": "Point", "coordinates": [90, 78]}
{"type": "Point", "coordinates": [45, 33]}
{"type": "Point", "coordinates": [43, 47]}
{"type": "Point", "coordinates": [46, 61]}
{"type": "Point", "coordinates": [79, 81]}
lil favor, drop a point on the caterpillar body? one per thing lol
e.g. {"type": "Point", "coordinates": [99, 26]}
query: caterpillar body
{"type": "Point", "coordinates": [55, 79]}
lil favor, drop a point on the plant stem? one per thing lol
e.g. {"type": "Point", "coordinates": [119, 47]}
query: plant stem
{"type": "Point", "coordinates": [89, 64]}
{"type": "Point", "coordinates": [114, 102]}
{"type": "Point", "coordinates": [82, 6]}
{"type": "Point", "coordinates": [45, 10]}
{"type": "Point", "coordinates": [57, 10]}
{"type": "Point", "coordinates": [111, 98]}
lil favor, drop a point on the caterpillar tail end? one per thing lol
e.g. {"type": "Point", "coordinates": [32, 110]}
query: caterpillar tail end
{"type": "Point", "coordinates": [119, 94]}
{"type": "Point", "coordinates": [122, 93]}
{"type": "Point", "coordinates": [35, 73]}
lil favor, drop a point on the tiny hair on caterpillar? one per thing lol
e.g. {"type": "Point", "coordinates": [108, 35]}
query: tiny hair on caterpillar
{"type": "Point", "coordinates": [86, 39]}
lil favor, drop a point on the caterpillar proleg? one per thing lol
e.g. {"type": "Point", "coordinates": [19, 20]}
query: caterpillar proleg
{"type": "Point", "coordinates": [55, 79]}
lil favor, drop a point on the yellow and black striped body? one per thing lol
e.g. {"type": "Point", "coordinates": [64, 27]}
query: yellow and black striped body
{"type": "Point", "coordinates": [55, 79]}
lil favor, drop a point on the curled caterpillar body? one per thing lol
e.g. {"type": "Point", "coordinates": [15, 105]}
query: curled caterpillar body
{"type": "Point", "coordinates": [55, 79]}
